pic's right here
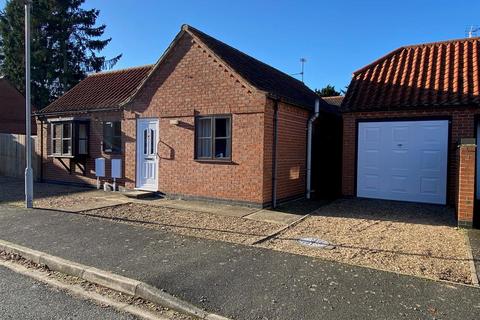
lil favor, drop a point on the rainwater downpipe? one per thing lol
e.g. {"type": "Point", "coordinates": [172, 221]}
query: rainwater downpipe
{"type": "Point", "coordinates": [309, 146]}
{"type": "Point", "coordinates": [274, 154]}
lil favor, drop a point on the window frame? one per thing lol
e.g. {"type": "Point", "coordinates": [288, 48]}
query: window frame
{"type": "Point", "coordinates": [77, 138]}
{"type": "Point", "coordinates": [213, 138]}
{"type": "Point", "coordinates": [112, 151]}
{"type": "Point", "coordinates": [74, 136]}
{"type": "Point", "coordinates": [60, 153]}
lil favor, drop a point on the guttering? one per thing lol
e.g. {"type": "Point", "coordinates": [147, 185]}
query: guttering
{"type": "Point", "coordinates": [274, 154]}
{"type": "Point", "coordinates": [311, 120]}
{"type": "Point", "coordinates": [66, 112]}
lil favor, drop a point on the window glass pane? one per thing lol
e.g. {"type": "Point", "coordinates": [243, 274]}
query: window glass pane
{"type": "Point", "coordinates": [82, 146]}
{"type": "Point", "coordinates": [66, 130]}
{"type": "Point", "coordinates": [117, 128]}
{"type": "Point", "coordinates": [116, 144]}
{"type": "Point", "coordinates": [145, 142]}
{"type": "Point", "coordinates": [57, 130]}
{"type": "Point", "coordinates": [204, 127]}
{"type": "Point", "coordinates": [82, 131]}
{"type": "Point", "coordinates": [222, 127]}
{"type": "Point", "coordinates": [56, 146]}
{"type": "Point", "coordinates": [67, 146]}
{"type": "Point", "coordinates": [112, 134]}
{"type": "Point", "coordinates": [204, 147]}
{"type": "Point", "coordinates": [152, 141]}
{"type": "Point", "coordinates": [222, 148]}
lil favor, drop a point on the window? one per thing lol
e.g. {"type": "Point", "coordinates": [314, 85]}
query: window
{"type": "Point", "coordinates": [149, 142]}
{"type": "Point", "coordinates": [112, 137]}
{"type": "Point", "coordinates": [213, 138]}
{"type": "Point", "coordinates": [69, 139]}
{"type": "Point", "coordinates": [62, 139]}
{"type": "Point", "coordinates": [82, 138]}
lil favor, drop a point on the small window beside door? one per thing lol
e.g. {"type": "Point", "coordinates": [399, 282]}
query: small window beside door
{"type": "Point", "coordinates": [213, 137]}
{"type": "Point", "coordinates": [112, 137]}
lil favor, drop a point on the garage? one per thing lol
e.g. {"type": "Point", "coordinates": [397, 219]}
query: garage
{"type": "Point", "coordinates": [403, 160]}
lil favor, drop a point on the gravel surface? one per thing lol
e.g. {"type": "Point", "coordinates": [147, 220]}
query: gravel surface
{"type": "Point", "coordinates": [193, 223]}
{"type": "Point", "coordinates": [408, 238]}
{"type": "Point", "coordinates": [56, 196]}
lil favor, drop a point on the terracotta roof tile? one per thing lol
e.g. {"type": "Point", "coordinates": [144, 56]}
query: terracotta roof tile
{"type": "Point", "coordinates": [103, 90]}
{"type": "Point", "coordinates": [335, 101]}
{"type": "Point", "coordinates": [439, 74]}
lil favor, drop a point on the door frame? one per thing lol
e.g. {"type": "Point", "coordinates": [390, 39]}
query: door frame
{"type": "Point", "coordinates": [396, 119]}
{"type": "Point", "coordinates": [138, 154]}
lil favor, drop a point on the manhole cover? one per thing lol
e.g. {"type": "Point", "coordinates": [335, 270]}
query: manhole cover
{"type": "Point", "coordinates": [315, 242]}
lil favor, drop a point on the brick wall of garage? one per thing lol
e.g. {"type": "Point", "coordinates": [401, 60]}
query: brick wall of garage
{"type": "Point", "coordinates": [462, 125]}
{"type": "Point", "coordinates": [54, 171]}
{"type": "Point", "coordinates": [192, 82]}
{"type": "Point", "coordinates": [291, 151]}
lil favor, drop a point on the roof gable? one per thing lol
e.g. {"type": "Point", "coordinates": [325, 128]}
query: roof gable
{"type": "Point", "coordinates": [260, 75]}
{"type": "Point", "coordinates": [109, 90]}
{"type": "Point", "coordinates": [439, 74]}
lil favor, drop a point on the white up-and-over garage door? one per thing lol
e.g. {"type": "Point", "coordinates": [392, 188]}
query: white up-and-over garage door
{"type": "Point", "coordinates": [403, 160]}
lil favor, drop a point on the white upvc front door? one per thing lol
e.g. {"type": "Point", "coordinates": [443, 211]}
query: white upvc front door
{"type": "Point", "coordinates": [147, 158]}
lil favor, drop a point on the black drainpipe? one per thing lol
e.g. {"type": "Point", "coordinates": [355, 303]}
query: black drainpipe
{"type": "Point", "coordinates": [274, 154]}
{"type": "Point", "coordinates": [41, 150]}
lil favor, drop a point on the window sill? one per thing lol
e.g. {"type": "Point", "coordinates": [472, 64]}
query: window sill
{"type": "Point", "coordinates": [60, 156]}
{"type": "Point", "coordinates": [67, 156]}
{"type": "Point", "coordinates": [214, 161]}
{"type": "Point", "coordinates": [113, 153]}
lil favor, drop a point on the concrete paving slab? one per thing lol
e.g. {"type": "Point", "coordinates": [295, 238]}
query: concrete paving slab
{"type": "Point", "coordinates": [272, 216]}
{"type": "Point", "coordinates": [202, 206]}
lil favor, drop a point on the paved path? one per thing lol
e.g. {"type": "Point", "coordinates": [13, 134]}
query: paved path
{"type": "Point", "coordinates": [238, 281]}
{"type": "Point", "coordinates": [474, 236]}
{"type": "Point", "coordinates": [24, 298]}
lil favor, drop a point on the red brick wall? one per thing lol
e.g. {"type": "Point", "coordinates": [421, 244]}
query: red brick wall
{"type": "Point", "coordinates": [466, 155]}
{"type": "Point", "coordinates": [193, 82]}
{"type": "Point", "coordinates": [462, 126]}
{"type": "Point", "coordinates": [12, 110]}
{"type": "Point", "coordinates": [291, 151]}
{"type": "Point", "coordinates": [53, 170]}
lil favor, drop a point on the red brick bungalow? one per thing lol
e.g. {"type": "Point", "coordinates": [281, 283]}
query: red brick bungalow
{"type": "Point", "coordinates": [12, 110]}
{"type": "Point", "coordinates": [206, 121]}
{"type": "Point", "coordinates": [404, 117]}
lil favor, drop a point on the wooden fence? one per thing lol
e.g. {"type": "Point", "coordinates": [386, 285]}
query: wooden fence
{"type": "Point", "coordinates": [12, 156]}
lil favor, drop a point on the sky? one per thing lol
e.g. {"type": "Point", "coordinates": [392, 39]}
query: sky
{"type": "Point", "coordinates": [335, 37]}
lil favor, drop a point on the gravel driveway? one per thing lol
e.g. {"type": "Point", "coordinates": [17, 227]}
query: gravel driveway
{"type": "Point", "coordinates": [415, 239]}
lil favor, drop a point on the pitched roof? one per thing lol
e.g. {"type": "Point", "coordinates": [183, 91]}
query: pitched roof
{"type": "Point", "coordinates": [335, 101]}
{"type": "Point", "coordinates": [100, 91]}
{"type": "Point", "coordinates": [259, 74]}
{"type": "Point", "coordinates": [107, 90]}
{"type": "Point", "coordinates": [439, 74]}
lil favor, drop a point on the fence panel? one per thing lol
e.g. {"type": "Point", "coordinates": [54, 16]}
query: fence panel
{"type": "Point", "coordinates": [12, 156]}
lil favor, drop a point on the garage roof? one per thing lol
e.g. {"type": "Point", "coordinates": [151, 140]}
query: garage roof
{"type": "Point", "coordinates": [439, 74]}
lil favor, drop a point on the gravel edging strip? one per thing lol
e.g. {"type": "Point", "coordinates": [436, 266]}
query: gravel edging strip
{"type": "Point", "coordinates": [473, 270]}
{"type": "Point", "coordinates": [270, 236]}
{"type": "Point", "coordinates": [109, 280]}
